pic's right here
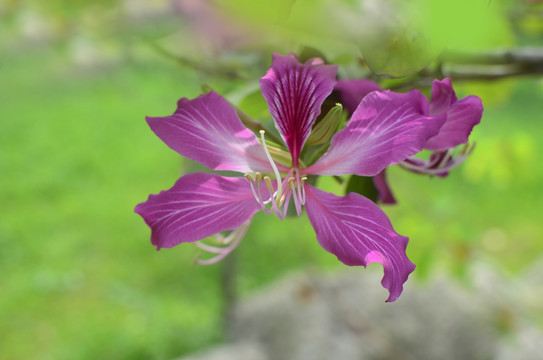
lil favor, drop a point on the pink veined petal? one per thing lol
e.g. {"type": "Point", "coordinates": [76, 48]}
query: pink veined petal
{"type": "Point", "coordinates": [197, 206]}
{"type": "Point", "coordinates": [442, 96]}
{"type": "Point", "coordinates": [358, 232]}
{"type": "Point", "coordinates": [385, 195]}
{"type": "Point", "coordinates": [386, 128]}
{"type": "Point", "coordinates": [462, 115]}
{"type": "Point", "coordinates": [294, 93]}
{"type": "Point", "coordinates": [208, 130]}
{"type": "Point", "coordinates": [352, 91]}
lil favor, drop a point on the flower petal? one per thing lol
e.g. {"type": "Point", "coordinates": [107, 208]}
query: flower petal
{"type": "Point", "coordinates": [443, 96]}
{"type": "Point", "coordinates": [208, 130]}
{"type": "Point", "coordinates": [385, 195]}
{"type": "Point", "coordinates": [352, 91]}
{"type": "Point", "coordinates": [197, 206]}
{"type": "Point", "coordinates": [386, 128]}
{"type": "Point", "coordinates": [358, 232]}
{"type": "Point", "coordinates": [294, 93]}
{"type": "Point", "coordinates": [462, 116]}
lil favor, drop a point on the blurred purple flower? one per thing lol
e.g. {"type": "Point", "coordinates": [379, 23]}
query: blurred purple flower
{"type": "Point", "coordinates": [386, 128]}
{"type": "Point", "coordinates": [461, 116]}
{"type": "Point", "coordinates": [214, 31]}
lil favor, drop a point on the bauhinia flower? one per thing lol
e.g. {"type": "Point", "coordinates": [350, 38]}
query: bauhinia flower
{"type": "Point", "coordinates": [384, 129]}
{"type": "Point", "coordinates": [461, 116]}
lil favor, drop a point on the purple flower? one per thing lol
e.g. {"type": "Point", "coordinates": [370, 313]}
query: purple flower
{"type": "Point", "coordinates": [386, 128]}
{"type": "Point", "coordinates": [461, 116]}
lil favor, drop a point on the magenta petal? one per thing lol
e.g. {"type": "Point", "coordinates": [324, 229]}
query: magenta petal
{"type": "Point", "coordinates": [197, 206]}
{"type": "Point", "coordinates": [352, 91]}
{"type": "Point", "coordinates": [208, 130]}
{"type": "Point", "coordinates": [443, 96]}
{"type": "Point", "coordinates": [386, 128]}
{"type": "Point", "coordinates": [294, 93]}
{"type": "Point", "coordinates": [385, 195]}
{"type": "Point", "coordinates": [358, 232]}
{"type": "Point", "coordinates": [462, 116]}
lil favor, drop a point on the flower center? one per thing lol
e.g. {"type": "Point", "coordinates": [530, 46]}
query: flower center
{"type": "Point", "coordinates": [279, 199]}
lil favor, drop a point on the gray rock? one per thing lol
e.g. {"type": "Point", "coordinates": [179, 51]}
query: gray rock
{"type": "Point", "coordinates": [311, 316]}
{"type": "Point", "coordinates": [343, 317]}
{"type": "Point", "coordinates": [235, 351]}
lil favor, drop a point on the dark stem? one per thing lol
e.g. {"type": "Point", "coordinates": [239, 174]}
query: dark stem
{"type": "Point", "coordinates": [486, 66]}
{"type": "Point", "coordinates": [229, 292]}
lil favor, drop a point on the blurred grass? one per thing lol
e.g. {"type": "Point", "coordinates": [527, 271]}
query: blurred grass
{"type": "Point", "coordinates": [80, 278]}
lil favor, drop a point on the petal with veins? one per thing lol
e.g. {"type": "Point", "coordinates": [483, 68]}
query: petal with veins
{"type": "Point", "coordinates": [294, 93]}
{"type": "Point", "coordinates": [208, 130]}
{"type": "Point", "coordinates": [385, 195]}
{"type": "Point", "coordinates": [442, 96]}
{"type": "Point", "coordinates": [462, 116]}
{"type": "Point", "coordinates": [197, 206]}
{"type": "Point", "coordinates": [386, 128]}
{"type": "Point", "coordinates": [352, 91]}
{"type": "Point", "coordinates": [358, 232]}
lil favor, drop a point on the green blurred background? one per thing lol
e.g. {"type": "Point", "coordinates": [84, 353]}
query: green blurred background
{"type": "Point", "coordinates": [80, 278]}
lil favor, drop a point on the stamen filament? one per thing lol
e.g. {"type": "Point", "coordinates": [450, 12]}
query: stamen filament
{"type": "Point", "coordinates": [261, 201]}
{"type": "Point", "coordinates": [295, 196]}
{"type": "Point", "coordinates": [441, 164]}
{"type": "Point", "coordinates": [232, 241]}
{"type": "Point", "coordinates": [292, 184]}
{"type": "Point", "coordinates": [303, 190]}
{"type": "Point", "coordinates": [272, 163]}
{"type": "Point", "coordinates": [446, 157]}
{"type": "Point", "coordinates": [269, 185]}
{"type": "Point", "coordinates": [251, 182]}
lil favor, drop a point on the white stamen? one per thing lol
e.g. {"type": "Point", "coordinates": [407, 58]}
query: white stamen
{"type": "Point", "coordinates": [279, 201]}
{"type": "Point", "coordinates": [297, 204]}
{"type": "Point", "coordinates": [303, 190]}
{"type": "Point", "coordinates": [446, 158]}
{"type": "Point", "coordinates": [441, 164]}
{"type": "Point", "coordinates": [251, 182]}
{"type": "Point", "coordinates": [274, 167]}
{"type": "Point", "coordinates": [230, 243]}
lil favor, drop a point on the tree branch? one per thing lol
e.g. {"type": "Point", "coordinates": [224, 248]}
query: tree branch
{"type": "Point", "coordinates": [484, 65]}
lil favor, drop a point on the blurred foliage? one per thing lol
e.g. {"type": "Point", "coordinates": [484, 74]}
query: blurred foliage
{"type": "Point", "coordinates": [468, 24]}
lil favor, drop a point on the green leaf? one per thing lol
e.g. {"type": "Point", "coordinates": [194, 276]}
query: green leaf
{"type": "Point", "coordinates": [255, 105]}
{"type": "Point", "coordinates": [326, 128]}
{"type": "Point", "coordinates": [362, 185]}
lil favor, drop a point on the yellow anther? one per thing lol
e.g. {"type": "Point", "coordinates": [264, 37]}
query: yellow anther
{"type": "Point", "coordinates": [269, 185]}
{"type": "Point", "coordinates": [291, 182]}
